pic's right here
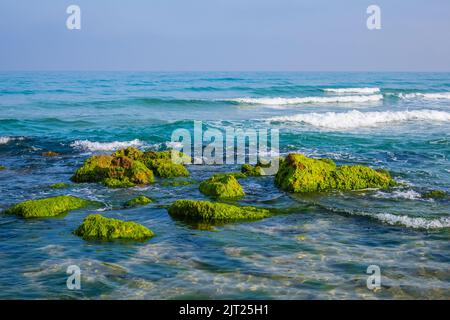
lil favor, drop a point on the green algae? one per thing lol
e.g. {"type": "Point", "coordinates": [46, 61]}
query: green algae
{"type": "Point", "coordinates": [222, 186]}
{"type": "Point", "coordinates": [97, 227]}
{"type": "Point", "coordinates": [138, 201]}
{"type": "Point", "coordinates": [206, 211]}
{"type": "Point", "coordinates": [299, 173]}
{"type": "Point", "coordinates": [163, 166]}
{"type": "Point", "coordinates": [50, 154]}
{"type": "Point", "coordinates": [434, 194]}
{"type": "Point", "coordinates": [114, 171]}
{"type": "Point", "coordinates": [251, 171]}
{"type": "Point", "coordinates": [48, 207]}
{"type": "Point", "coordinates": [59, 185]}
{"type": "Point", "coordinates": [2, 168]}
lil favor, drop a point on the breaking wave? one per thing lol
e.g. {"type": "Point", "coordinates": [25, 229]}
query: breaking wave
{"type": "Point", "coordinates": [5, 140]}
{"type": "Point", "coordinates": [87, 145]}
{"type": "Point", "coordinates": [426, 96]}
{"type": "Point", "coordinates": [357, 119]}
{"type": "Point", "coordinates": [352, 90]}
{"type": "Point", "coordinates": [301, 100]}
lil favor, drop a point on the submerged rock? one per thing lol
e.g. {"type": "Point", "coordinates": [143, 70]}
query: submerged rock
{"type": "Point", "coordinates": [222, 186]}
{"type": "Point", "coordinates": [138, 201]}
{"type": "Point", "coordinates": [48, 207]}
{"type": "Point", "coordinates": [251, 171]}
{"type": "Point", "coordinates": [59, 185]}
{"type": "Point", "coordinates": [97, 227]}
{"type": "Point", "coordinates": [434, 194]}
{"type": "Point", "coordinates": [207, 211]}
{"type": "Point", "coordinates": [162, 165]}
{"type": "Point", "coordinates": [50, 154]}
{"type": "Point", "coordinates": [2, 168]}
{"type": "Point", "coordinates": [114, 171]}
{"type": "Point", "coordinates": [299, 173]}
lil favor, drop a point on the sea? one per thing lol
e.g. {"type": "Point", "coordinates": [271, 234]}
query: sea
{"type": "Point", "coordinates": [320, 246]}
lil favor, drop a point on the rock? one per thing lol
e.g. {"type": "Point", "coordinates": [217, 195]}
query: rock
{"type": "Point", "coordinates": [2, 168]}
{"type": "Point", "coordinates": [97, 227]}
{"type": "Point", "coordinates": [222, 186]}
{"type": "Point", "coordinates": [207, 211]}
{"type": "Point", "coordinates": [162, 165]}
{"type": "Point", "coordinates": [48, 207]}
{"type": "Point", "coordinates": [138, 201]}
{"type": "Point", "coordinates": [59, 185]}
{"type": "Point", "coordinates": [114, 171]}
{"type": "Point", "coordinates": [299, 173]}
{"type": "Point", "coordinates": [50, 154]}
{"type": "Point", "coordinates": [251, 171]}
{"type": "Point", "coordinates": [434, 194]}
{"type": "Point", "coordinates": [130, 152]}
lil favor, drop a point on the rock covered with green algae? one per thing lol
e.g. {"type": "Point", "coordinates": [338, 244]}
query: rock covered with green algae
{"type": "Point", "coordinates": [97, 227]}
{"type": "Point", "coordinates": [114, 171]}
{"type": "Point", "coordinates": [138, 201]}
{"type": "Point", "coordinates": [48, 207]}
{"type": "Point", "coordinates": [2, 168]}
{"type": "Point", "coordinates": [206, 211]}
{"type": "Point", "coordinates": [222, 186]}
{"type": "Point", "coordinates": [251, 171]}
{"type": "Point", "coordinates": [434, 194]}
{"type": "Point", "coordinates": [59, 185]}
{"type": "Point", "coordinates": [163, 166]}
{"type": "Point", "coordinates": [299, 173]}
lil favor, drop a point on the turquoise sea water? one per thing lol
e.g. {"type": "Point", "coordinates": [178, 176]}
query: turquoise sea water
{"type": "Point", "coordinates": [322, 245]}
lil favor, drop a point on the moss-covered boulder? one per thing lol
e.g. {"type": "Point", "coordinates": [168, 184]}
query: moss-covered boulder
{"type": "Point", "coordinates": [206, 211]}
{"type": "Point", "coordinates": [48, 207]}
{"type": "Point", "coordinates": [130, 152]}
{"type": "Point", "coordinates": [299, 173]}
{"type": "Point", "coordinates": [251, 171]}
{"type": "Point", "coordinates": [97, 227]}
{"type": "Point", "coordinates": [222, 186]}
{"type": "Point", "coordinates": [2, 168]}
{"type": "Point", "coordinates": [59, 185]}
{"type": "Point", "coordinates": [138, 201]}
{"type": "Point", "coordinates": [162, 165]}
{"type": "Point", "coordinates": [114, 171]}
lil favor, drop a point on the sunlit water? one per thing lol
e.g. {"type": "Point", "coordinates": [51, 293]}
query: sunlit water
{"type": "Point", "coordinates": [319, 246]}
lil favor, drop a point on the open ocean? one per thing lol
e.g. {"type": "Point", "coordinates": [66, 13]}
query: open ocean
{"type": "Point", "coordinates": [319, 249]}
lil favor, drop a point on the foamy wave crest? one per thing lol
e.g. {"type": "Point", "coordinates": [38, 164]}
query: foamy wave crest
{"type": "Point", "coordinates": [398, 194]}
{"type": "Point", "coordinates": [353, 90]}
{"type": "Point", "coordinates": [426, 96]}
{"type": "Point", "coordinates": [413, 222]}
{"type": "Point", "coordinates": [357, 119]}
{"type": "Point", "coordinates": [333, 99]}
{"type": "Point", "coordinates": [5, 140]}
{"type": "Point", "coordinates": [87, 145]}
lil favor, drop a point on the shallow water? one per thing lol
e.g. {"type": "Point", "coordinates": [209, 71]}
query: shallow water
{"type": "Point", "coordinates": [318, 247]}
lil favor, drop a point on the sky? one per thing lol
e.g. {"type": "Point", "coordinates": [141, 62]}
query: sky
{"type": "Point", "coordinates": [225, 35]}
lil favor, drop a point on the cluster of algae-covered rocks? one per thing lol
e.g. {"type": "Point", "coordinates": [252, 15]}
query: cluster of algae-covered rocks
{"type": "Point", "coordinates": [130, 167]}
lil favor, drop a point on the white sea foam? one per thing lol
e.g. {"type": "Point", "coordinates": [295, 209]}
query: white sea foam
{"type": "Point", "coordinates": [87, 145]}
{"type": "Point", "coordinates": [352, 90]}
{"type": "Point", "coordinates": [426, 96]}
{"type": "Point", "coordinates": [301, 100]}
{"type": "Point", "coordinates": [356, 119]}
{"type": "Point", "coordinates": [399, 194]}
{"type": "Point", "coordinates": [413, 222]}
{"type": "Point", "coordinates": [5, 139]}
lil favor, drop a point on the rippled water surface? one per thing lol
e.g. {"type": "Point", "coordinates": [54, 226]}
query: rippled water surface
{"type": "Point", "coordinates": [319, 246]}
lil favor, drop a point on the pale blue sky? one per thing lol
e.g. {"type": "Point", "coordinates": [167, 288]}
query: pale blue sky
{"type": "Point", "coordinates": [225, 35]}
